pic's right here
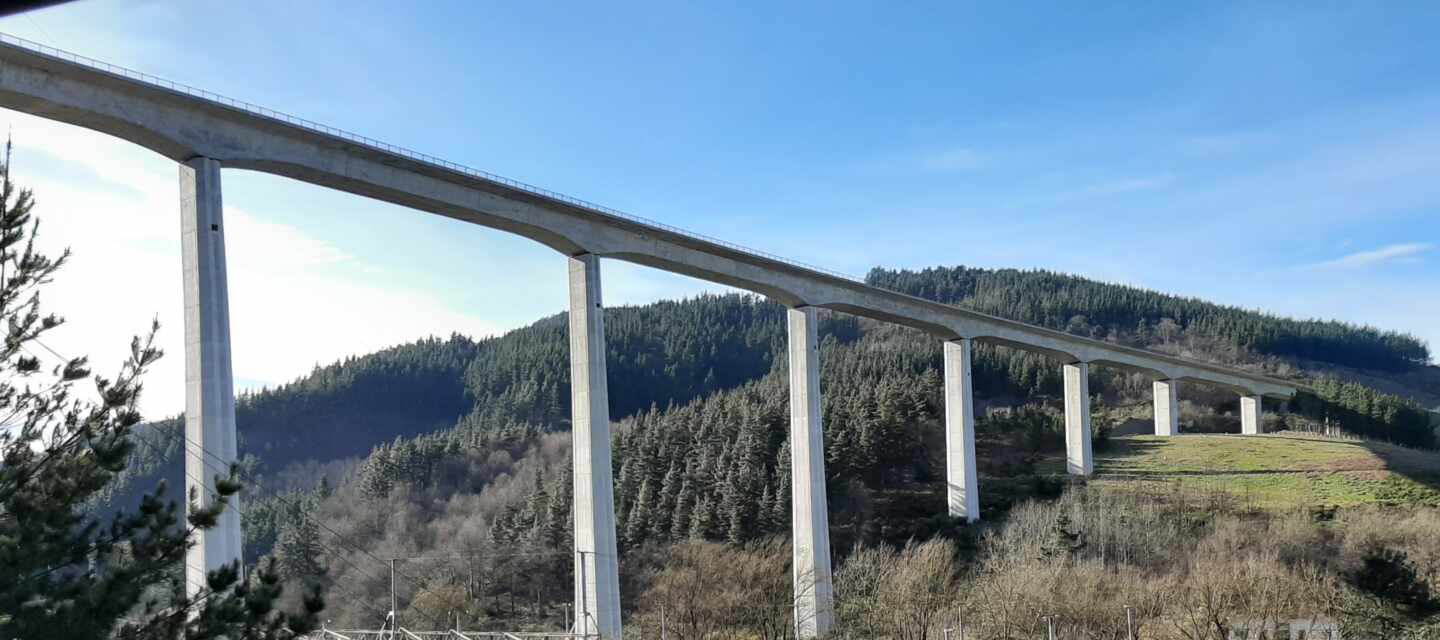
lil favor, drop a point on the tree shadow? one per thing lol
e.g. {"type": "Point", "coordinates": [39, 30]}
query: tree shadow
{"type": "Point", "coordinates": [1418, 465]}
{"type": "Point", "coordinates": [1121, 458]}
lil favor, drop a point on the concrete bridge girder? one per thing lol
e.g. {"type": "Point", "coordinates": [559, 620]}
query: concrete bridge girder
{"type": "Point", "coordinates": [181, 126]}
{"type": "Point", "coordinates": [187, 128]}
{"type": "Point", "coordinates": [1066, 352]}
{"type": "Point", "coordinates": [879, 305]}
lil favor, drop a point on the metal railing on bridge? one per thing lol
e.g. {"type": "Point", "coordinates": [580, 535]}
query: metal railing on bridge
{"type": "Point", "coordinates": [101, 65]}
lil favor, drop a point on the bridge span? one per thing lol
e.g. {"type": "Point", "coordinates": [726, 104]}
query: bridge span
{"type": "Point", "coordinates": [204, 132]}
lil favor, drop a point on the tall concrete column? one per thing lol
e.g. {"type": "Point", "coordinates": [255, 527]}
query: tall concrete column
{"type": "Point", "coordinates": [1167, 408]}
{"type": "Point", "coordinates": [809, 519]}
{"type": "Point", "coordinates": [1250, 415]}
{"type": "Point", "coordinates": [1078, 458]}
{"type": "Point", "coordinates": [597, 566]}
{"type": "Point", "coordinates": [962, 487]}
{"type": "Point", "coordinates": [209, 384]}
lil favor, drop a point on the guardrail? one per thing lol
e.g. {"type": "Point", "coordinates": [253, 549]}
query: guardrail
{"type": "Point", "coordinates": [195, 92]}
{"type": "Point", "coordinates": [440, 163]}
{"type": "Point", "coordinates": [449, 634]}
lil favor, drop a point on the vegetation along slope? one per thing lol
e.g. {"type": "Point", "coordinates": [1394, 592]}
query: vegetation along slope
{"type": "Point", "coordinates": [456, 448]}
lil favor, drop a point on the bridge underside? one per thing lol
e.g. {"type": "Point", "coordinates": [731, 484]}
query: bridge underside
{"type": "Point", "coordinates": [205, 134]}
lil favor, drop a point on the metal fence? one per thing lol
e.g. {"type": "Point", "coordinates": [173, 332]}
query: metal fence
{"type": "Point", "coordinates": [403, 633]}
{"type": "Point", "coordinates": [386, 147]}
{"type": "Point", "coordinates": [1047, 628]}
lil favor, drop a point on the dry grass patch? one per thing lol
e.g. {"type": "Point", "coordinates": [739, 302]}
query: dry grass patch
{"type": "Point", "coordinates": [1275, 471]}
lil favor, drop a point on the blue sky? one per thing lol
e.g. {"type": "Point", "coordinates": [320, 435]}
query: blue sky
{"type": "Point", "coordinates": [1280, 158]}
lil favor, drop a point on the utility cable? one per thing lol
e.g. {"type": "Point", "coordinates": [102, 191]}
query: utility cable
{"type": "Point", "coordinates": [328, 549]}
{"type": "Point", "coordinates": [186, 444]}
{"type": "Point", "coordinates": [244, 477]}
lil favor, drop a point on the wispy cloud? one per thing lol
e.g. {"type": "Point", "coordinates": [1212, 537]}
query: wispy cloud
{"type": "Point", "coordinates": [954, 160]}
{"type": "Point", "coordinates": [1360, 259]}
{"type": "Point", "coordinates": [331, 303]}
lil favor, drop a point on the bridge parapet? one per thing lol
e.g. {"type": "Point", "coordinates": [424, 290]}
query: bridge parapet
{"type": "Point", "coordinates": [184, 124]}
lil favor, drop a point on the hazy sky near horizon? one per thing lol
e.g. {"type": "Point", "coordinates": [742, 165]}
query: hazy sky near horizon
{"type": "Point", "coordinates": [1278, 158]}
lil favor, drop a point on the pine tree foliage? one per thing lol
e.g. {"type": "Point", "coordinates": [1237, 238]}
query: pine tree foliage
{"type": "Point", "coordinates": [297, 545]}
{"type": "Point", "coordinates": [1130, 314]}
{"type": "Point", "coordinates": [700, 401]}
{"type": "Point", "coordinates": [64, 574]}
{"type": "Point", "coordinates": [1367, 412]}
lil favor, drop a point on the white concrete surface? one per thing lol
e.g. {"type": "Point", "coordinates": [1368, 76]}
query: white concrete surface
{"type": "Point", "coordinates": [1078, 457]}
{"type": "Point", "coordinates": [1167, 408]}
{"type": "Point", "coordinates": [809, 514]}
{"type": "Point", "coordinates": [210, 446]}
{"type": "Point", "coordinates": [1250, 416]}
{"type": "Point", "coordinates": [597, 560]}
{"type": "Point", "coordinates": [183, 126]}
{"type": "Point", "coordinates": [962, 492]}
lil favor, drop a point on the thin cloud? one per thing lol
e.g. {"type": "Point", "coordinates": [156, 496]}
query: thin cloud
{"type": "Point", "coordinates": [1372, 257]}
{"type": "Point", "coordinates": [296, 298]}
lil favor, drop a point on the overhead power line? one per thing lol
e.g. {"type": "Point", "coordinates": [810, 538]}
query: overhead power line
{"type": "Point", "coordinates": [328, 549]}
{"type": "Point", "coordinates": [226, 466]}
{"type": "Point", "coordinates": [186, 444]}
{"type": "Point", "coordinates": [291, 501]}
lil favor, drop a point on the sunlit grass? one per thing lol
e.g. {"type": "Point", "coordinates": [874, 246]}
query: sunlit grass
{"type": "Point", "coordinates": [1275, 471]}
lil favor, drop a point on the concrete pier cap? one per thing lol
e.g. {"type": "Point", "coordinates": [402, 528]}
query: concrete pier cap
{"type": "Point", "coordinates": [183, 123]}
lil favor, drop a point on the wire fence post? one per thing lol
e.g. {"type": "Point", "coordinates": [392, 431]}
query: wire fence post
{"type": "Point", "coordinates": [1049, 626]}
{"type": "Point", "coordinates": [1129, 622]}
{"type": "Point", "coordinates": [662, 622]}
{"type": "Point", "coordinates": [394, 612]}
{"type": "Point", "coordinates": [582, 623]}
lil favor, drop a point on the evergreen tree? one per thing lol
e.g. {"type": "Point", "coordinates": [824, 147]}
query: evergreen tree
{"type": "Point", "coordinates": [1057, 300]}
{"type": "Point", "coordinates": [780, 517]}
{"type": "Point", "coordinates": [557, 529]}
{"type": "Point", "coordinates": [297, 548]}
{"type": "Point", "coordinates": [704, 522]}
{"type": "Point", "coordinates": [680, 521]}
{"type": "Point", "coordinates": [637, 526]}
{"type": "Point", "coordinates": [64, 574]}
{"type": "Point", "coordinates": [661, 523]}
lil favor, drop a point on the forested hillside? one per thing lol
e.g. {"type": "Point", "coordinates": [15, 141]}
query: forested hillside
{"type": "Point", "coordinates": [456, 447]}
{"type": "Point", "coordinates": [291, 435]}
{"type": "Point", "coordinates": [1143, 317]}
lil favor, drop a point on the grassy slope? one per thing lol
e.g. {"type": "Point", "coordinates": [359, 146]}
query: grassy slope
{"type": "Point", "coordinates": [1278, 471]}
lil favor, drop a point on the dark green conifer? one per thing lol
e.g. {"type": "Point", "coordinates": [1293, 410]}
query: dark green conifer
{"type": "Point", "coordinates": [64, 575]}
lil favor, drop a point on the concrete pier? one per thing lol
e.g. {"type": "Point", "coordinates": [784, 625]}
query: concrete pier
{"type": "Point", "coordinates": [962, 487]}
{"type": "Point", "coordinates": [1250, 423]}
{"type": "Point", "coordinates": [809, 519]}
{"type": "Point", "coordinates": [210, 446]}
{"type": "Point", "coordinates": [193, 128]}
{"type": "Point", "coordinates": [1078, 457]}
{"type": "Point", "coordinates": [597, 567]}
{"type": "Point", "coordinates": [1167, 408]}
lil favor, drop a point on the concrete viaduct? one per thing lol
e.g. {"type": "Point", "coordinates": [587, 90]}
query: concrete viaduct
{"type": "Point", "coordinates": [204, 132]}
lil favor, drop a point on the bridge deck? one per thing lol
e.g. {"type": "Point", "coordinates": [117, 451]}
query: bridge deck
{"type": "Point", "coordinates": [182, 122]}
